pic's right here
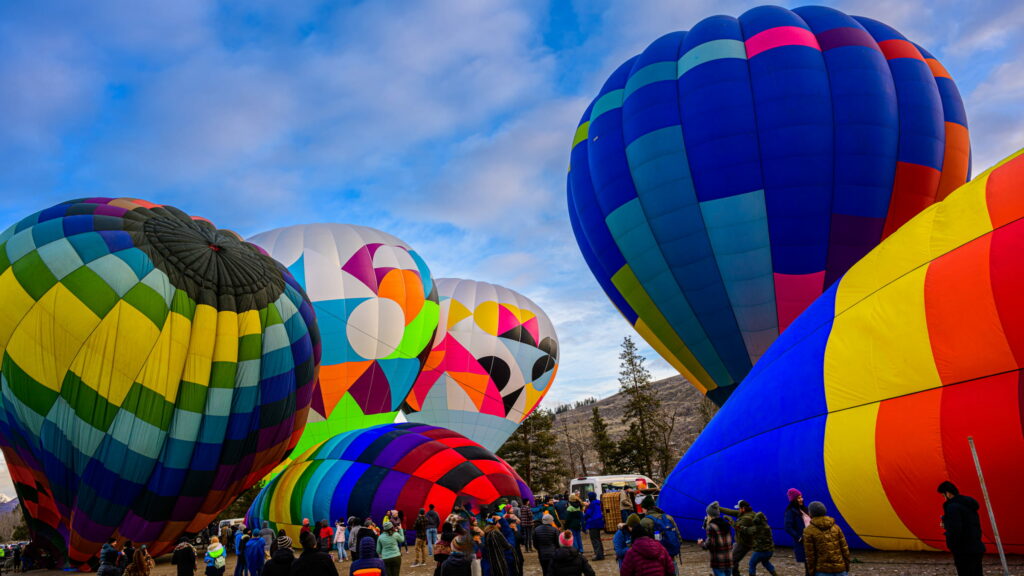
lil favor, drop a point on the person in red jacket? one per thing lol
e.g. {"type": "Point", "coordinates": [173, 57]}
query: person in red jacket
{"type": "Point", "coordinates": [646, 557]}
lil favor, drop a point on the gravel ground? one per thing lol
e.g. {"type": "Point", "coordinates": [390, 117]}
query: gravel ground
{"type": "Point", "coordinates": [695, 563]}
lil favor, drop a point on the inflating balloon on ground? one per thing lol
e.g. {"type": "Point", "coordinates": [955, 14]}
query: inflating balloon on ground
{"type": "Point", "coordinates": [154, 367]}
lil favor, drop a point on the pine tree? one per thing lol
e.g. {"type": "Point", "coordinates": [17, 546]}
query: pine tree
{"type": "Point", "coordinates": [532, 451]}
{"type": "Point", "coordinates": [639, 447]}
{"type": "Point", "coordinates": [603, 443]}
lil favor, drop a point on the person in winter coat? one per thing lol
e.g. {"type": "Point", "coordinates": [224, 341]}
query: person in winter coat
{"type": "Point", "coordinates": [457, 564]}
{"type": "Point", "coordinates": [646, 557]}
{"type": "Point", "coordinates": [281, 559]}
{"type": "Point", "coordinates": [255, 555]}
{"type": "Point", "coordinates": [526, 525]}
{"type": "Point", "coordinates": [389, 548]}
{"type": "Point", "coordinates": [433, 526]}
{"type": "Point", "coordinates": [574, 521]}
{"type": "Point", "coordinates": [764, 545]}
{"type": "Point", "coordinates": [744, 515]}
{"type": "Point", "coordinates": [184, 558]}
{"type": "Point", "coordinates": [545, 541]}
{"type": "Point", "coordinates": [718, 542]}
{"type": "Point", "coordinates": [108, 559]}
{"type": "Point", "coordinates": [568, 561]}
{"type": "Point", "coordinates": [366, 531]}
{"type": "Point", "coordinates": [621, 542]}
{"type": "Point", "coordinates": [312, 562]}
{"type": "Point", "coordinates": [825, 544]}
{"type": "Point", "coordinates": [797, 518]}
{"type": "Point", "coordinates": [626, 505]}
{"type": "Point", "coordinates": [267, 534]}
{"type": "Point", "coordinates": [341, 540]}
{"type": "Point", "coordinates": [242, 540]}
{"type": "Point", "coordinates": [420, 525]}
{"type": "Point", "coordinates": [368, 563]}
{"type": "Point", "coordinates": [216, 558]}
{"type": "Point", "coordinates": [593, 523]}
{"type": "Point", "coordinates": [963, 530]}
{"type": "Point", "coordinates": [495, 547]}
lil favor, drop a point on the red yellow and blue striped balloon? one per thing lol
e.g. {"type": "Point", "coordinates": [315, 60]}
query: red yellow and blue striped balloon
{"type": "Point", "coordinates": [866, 402]}
{"type": "Point", "coordinates": [725, 177]}
{"type": "Point", "coordinates": [153, 368]}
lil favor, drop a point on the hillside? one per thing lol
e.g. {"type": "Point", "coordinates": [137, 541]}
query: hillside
{"type": "Point", "coordinates": [676, 395]}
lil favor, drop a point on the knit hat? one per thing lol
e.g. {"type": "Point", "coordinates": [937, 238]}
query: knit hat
{"type": "Point", "coordinates": [793, 494]}
{"type": "Point", "coordinates": [633, 521]}
{"type": "Point", "coordinates": [714, 510]}
{"type": "Point", "coordinates": [816, 509]}
{"type": "Point", "coordinates": [284, 542]}
{"type": "Point", "coordinates": [548, 519]}
{"type": "Point", "coordinates": [565, 539]}
{"type": "Point", "coordinates": [388, 525]}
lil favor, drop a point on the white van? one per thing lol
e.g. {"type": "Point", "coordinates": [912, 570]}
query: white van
{"type": "Point", "coordinates": [611, 483]}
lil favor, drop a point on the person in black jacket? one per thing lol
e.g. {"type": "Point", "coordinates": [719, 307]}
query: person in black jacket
{"type": "Point", "coordinates": [545, 541]}
{"type": "Point", "coordinates": [312, 562]}
{"type": "Point", "coordinates": [184, 558]}
{"type": "Point", "coordinates": [457, 564]}
{"type": "Point", "coordinates": [963, 530]}
{"type": "Point", "coordinates": [281, 559]}
{"type": "Point", "coordinates": [567, 560]}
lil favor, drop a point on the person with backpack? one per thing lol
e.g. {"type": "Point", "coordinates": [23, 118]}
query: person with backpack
{"type": "Point", "coordinates": [216, 558]}
{"type": "Point", "coordinates": [665, 529]}
{"type": "Point", "coordinates": [593, 523]}
{"type": "Point", "coordinates": [718, 542]}
{"type": "Point", "coordinates": [825, 544]}
{"type": "Point", "coordinates": [763, 545]}
{"type": "Point", "coordinates": [646, 557]}
{"type": "Point", "coordinates": [568, 561]}
{"type": "Point", "coordinates": [184, 557]}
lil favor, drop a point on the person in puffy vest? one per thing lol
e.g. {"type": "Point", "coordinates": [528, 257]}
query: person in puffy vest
{"type": "Point", "coordinates": [568, 561]}
{"type": "Point", "coordinates": [824, 544]}
{"type": "Point", "coordinates": [368, 563]}
{"type": "Point", "coordinates": [545, 541]}
{"type": "Point", "coordinates": [646, 557]}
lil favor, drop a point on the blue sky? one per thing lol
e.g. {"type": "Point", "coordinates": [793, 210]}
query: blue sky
{"type": "Point", "coordinates": [447, 123]}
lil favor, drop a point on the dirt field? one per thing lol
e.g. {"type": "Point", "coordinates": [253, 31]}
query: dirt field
{"type": "Point", "coordinates": [695, 563]}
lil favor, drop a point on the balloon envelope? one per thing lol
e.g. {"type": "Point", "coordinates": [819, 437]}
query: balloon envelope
{"type": "Point", "coordinates": [154, 368]}
{"type": "Point", "coordinates": [365, 473]}
{"type": "Point", "coordinates": [375, 303]}
{"type": "Point", "coordinates": [494, 357]}
{"type": "Point", "coordinates": [867, 401]}
{"type": "Point", "coordinates": [725, 177]}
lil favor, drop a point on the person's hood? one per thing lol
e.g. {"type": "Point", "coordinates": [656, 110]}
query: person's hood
{"type": "Point", "coordinates": [215, 550]}
{"type": "Point", "coordinates": [647, 547]}
{"type": "Point", "coordinates": [367, 548]}
{"type": "Point", "coordinates": [759, 518]}
{"type": "Point", "coordinates": [592, 496]}
{"type": "Point", "coordinates": [459, 559]}
{"type": "Point", "coordinates": [965, 501]}
{"type": "Point", "coordinates": [823, 523]}
{"type": "Point", "coordinates": [283, 556]}
{"type": "Point", "coordinates": [182, 546]}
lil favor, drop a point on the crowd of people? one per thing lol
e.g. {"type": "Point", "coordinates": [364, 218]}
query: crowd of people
{"type": "Point", "coordinates": [492, 542]}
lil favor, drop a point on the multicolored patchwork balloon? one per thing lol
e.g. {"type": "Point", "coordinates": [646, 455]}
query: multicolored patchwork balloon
{"type": "Point", "coordinates": [494, 358]}
{"type": "Point", "coordinates": [153, 368]}
{"type": "Point", "coordinates": [728, 175]}
{"type": "Point", "coordinates": [365, 473]}
{"type": "Point", "coordinates": [867, 401]}
{"type": "Point", "coordinates": [377, 309]}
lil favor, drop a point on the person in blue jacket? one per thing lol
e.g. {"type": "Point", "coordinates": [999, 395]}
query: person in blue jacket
{"type": "Point", "coordinates": [593, 522]}
{"type": "Point", "coordinates": [255, 555]}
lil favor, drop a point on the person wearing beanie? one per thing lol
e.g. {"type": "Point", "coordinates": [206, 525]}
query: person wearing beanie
{"type": "Point", "coordinates": [663, 527]}
{"type": "Point", "coordinates": [389, 549]}
{"type": "Point", "coordinates": [305, 525]}
{"type": "Point", "coordinates": [593, 523]}
{"type": "Point", "coordinates": [963, 530]}
{"type": "Point", "coordinates": [718, 542]}
{"type": "Point", "coordinates": [545, 541]}
{"type": "Point", "coordinates": [567, 559]}
{"type": "Point", "coordinates": [282, 558]}
{"type": "Point", "coordinates": [743, 524]}
{"type": "Point", "coordinates": [824, 544]}
{"type": "Point", "coordinates": [216, 558]}
{"type": "Point", "coordinates": [312, 562]}
{"type": "Point", "coordinates": [368, 563]}
{"type": "Point", "coordinates": [621, 542]}
{"type": "Point", "coordinates": [796, 520]}
{"type": "Point", "coordinates": [646, 557]}
{"type": "Point", "coordinates": [495, 547]}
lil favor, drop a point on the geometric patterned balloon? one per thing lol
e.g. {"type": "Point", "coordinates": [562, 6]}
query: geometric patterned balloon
{"type": "Point", "coordinates": [365, 473]}
{"type": "Point", "coordinates": [729, 174]}
{"type": "Point", "coordinates": [494, 358]}
{"type": "Point", "coordinates": [377, 310]}
{"type": "Point", "coordinates": [153, 367]}
{"type": "Point", "coordinates": [867, 401]}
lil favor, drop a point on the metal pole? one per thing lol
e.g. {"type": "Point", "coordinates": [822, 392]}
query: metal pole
{"type": "Point", "coordinates": [988, 504]}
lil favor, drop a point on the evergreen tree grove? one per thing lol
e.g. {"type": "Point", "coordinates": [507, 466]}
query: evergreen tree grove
{"type": "Point", "coordinates": [639, 447]}
{"type": "Point", "coordinates": [603, 443]}
{"type": "Point", "coordinates": [532, 451]}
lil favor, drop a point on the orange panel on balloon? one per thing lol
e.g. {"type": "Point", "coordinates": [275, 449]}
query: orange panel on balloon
{"type": "Point", "coordinates": [956, 163]}
{"type": "Point", "coordinates": [406, 288]}
{"type": "Point", "coordinates": [1003, 193]}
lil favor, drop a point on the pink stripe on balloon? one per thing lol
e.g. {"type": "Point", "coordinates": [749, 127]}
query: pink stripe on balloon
{"type": "Point", "coordinates": [794, 293]}
{"type": "Point", "coordinates": [781, 36]}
